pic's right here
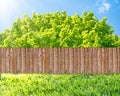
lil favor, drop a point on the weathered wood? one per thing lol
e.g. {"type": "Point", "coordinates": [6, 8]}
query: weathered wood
{"type": "Point", "coordinates": [66, 66]}
{"type": "Point", "coordinates": [40, 60]}
{"type": "Point", "coordinates": [115, 60]}
{"type": "Point", "coordinates": [71, 61]}
{"type": "Point", "coordinates": [51, 68]}
{"type": "Point", "coordinates": [60, 60]}
{"type": "Point", "coordinates": [23, 59]}
{"type": "Point", "coordinates": [75, 60]}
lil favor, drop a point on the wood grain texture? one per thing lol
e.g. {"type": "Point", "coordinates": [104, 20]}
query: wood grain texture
{"type": "Point", "coordinates": [60, 60]}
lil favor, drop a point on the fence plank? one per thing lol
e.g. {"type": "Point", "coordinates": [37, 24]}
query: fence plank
{"type": "Point", "coordinates": [66, 60]}
{"type": "Point", "coordinates": [75, 60]}
{"type": "Point", "coordinates": [7, 60]}
{"type": "Point", "coordinates": [63, 60]}
{"type": "Point", "coordinates": [79, 59]}
{"type": "Point", "coordinates": [107, 60]}
{"type": "Point", "coordinates": [94, 60]}
{"type": "Point", "coordinates": [10, 60]}
{"type": "Point", "coordinates": [71, 61]}
{"type": "Point", "coordinates": [59, 60]}
{"type": "Point", "coordinates": [18, 60]}
{"type": "Point", "coordinates": [31, 60]}
{"type": "Point", "coordinates": [82, 60]}
{"type": "Point", "coordinates": [28, 67]}
{"type": "Point", "coordinates": [14, 66]}
{"type": "Point", "coordinates": [47, 60]}
{"type": "Point", "coordinates": [35, 60]}
{"type": "Point", "coordinates": [114, 60]}
{"type": "Point", "coordinates": [103, 59]}
{"type": "Point", "coordinates": [43, 57]}
{"type": "Point", "coordinates": [23, 59]}
{"type": "Point", "coordinates": [89, 60]}
{"type": "Point", "coordinates": [99, 60]}
{"type": "Point", "coordinates": [51, 68]}
{"type": "Point", "coordinates": [55, 60]}
{"type": "Point", "coordinates": [3, 66]}
{"type": "Point", "coordinates": [86, 60]}
{"type": "Point", "coordinates": [110, 67]}
{"type": "Point", "coordinates": [40, 60]}
{"type": "Point", "coordinates": [118, 62]}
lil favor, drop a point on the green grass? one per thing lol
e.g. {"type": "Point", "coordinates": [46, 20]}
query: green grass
{"type": "Point", "coordinates": [59, 85]}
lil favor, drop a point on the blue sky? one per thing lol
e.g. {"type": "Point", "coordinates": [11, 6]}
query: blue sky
{"type": "Point", "coordinates": [10, 9]}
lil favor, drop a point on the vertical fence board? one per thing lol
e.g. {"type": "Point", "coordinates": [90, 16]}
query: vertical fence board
{"type": "Point", "coordinates": [51, 68]}
{"type": "Point", "coordinates": [7, 60]}
{"type": "Point", "coordinates": [36, 61]}
{"type": "Point", "coordinates": [31, 60]}
{"type": "Point", "coordinates": [63, 60]}
{"type": "Point", "coordinates": [4, 60]}
{"type": "Point", "coordinates": [99, 55]}
{"type": "Point", "coordinates": [10, 60]}
{"type": "Point", "coordinates": [66, 66]}
{"type": "Point", "coordinates": [55, 60]}
{"type": "Point", "coordinates": [90, 61]}
{"type": "Point", "coordinates": [97, 59]}
{"type": "Point", "coordinates": [86, 60]}
{"type": "Point", "coordinates": [28, 68]}
{"type": "Point", "coordinates": [71, 66]}
{"type": "Point", "coordinates": [59, 60]}
{"type": "Point", "coordinates": [103, 59]}
{"type": "Point", "coordinates": [94, 60]}
{"type": "Point", "coordinates": [75, 60]}
{"type": "Point", "coordinates": [47, 60]}
{"type": "Point", "coordinates": [117, 60]}
{"type": "Point", "coordinates": [114, 60]}
{"type": "Point", "coordinates": [82, 60]}
{"type": "Point", "coordinates": [110, 67]}
{"type": "Point", "coordinates": [79, 59]}
{"type": "Point", "coordinates": [14, 67]}
{"type": "Point", "coordinates": [3, 52]}
{"type": "Point", "coordinates": [18, 60]}
{"type": "Point", "coordinates": [40, 60]}
{"type": "Point", "coordinates": [107, 60]}
{"type": "Point", "coordinates": [43, 50]}
{"type": "Point", "coordinates": [23, 59]}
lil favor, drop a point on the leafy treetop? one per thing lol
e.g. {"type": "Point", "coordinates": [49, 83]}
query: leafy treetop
{"type": "Point", "coordinates": [59, 30]}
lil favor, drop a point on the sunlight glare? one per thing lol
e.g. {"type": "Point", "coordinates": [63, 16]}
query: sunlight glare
{"type": "Point", "coordinates": [7, 7]}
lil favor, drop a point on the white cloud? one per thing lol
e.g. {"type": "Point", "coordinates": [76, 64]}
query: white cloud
{"type": "Point", "coordinates": [103, 6]}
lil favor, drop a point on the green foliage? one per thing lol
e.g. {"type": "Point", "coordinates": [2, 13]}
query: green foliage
{"type": "Point", "coordinates": [60, 30]}
{"type": "Point", "coordinates": [59, 85]}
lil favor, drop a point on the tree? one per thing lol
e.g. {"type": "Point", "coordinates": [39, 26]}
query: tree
{"type": "Point", "coordinates": [60, 30]}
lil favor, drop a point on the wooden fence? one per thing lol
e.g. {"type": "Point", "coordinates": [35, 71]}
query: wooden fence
{"type": "Point", "coordinates": [60, 60]}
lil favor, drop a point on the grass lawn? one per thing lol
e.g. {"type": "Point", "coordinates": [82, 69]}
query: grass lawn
{"type": "Point", "coordinates": [59, 85]}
